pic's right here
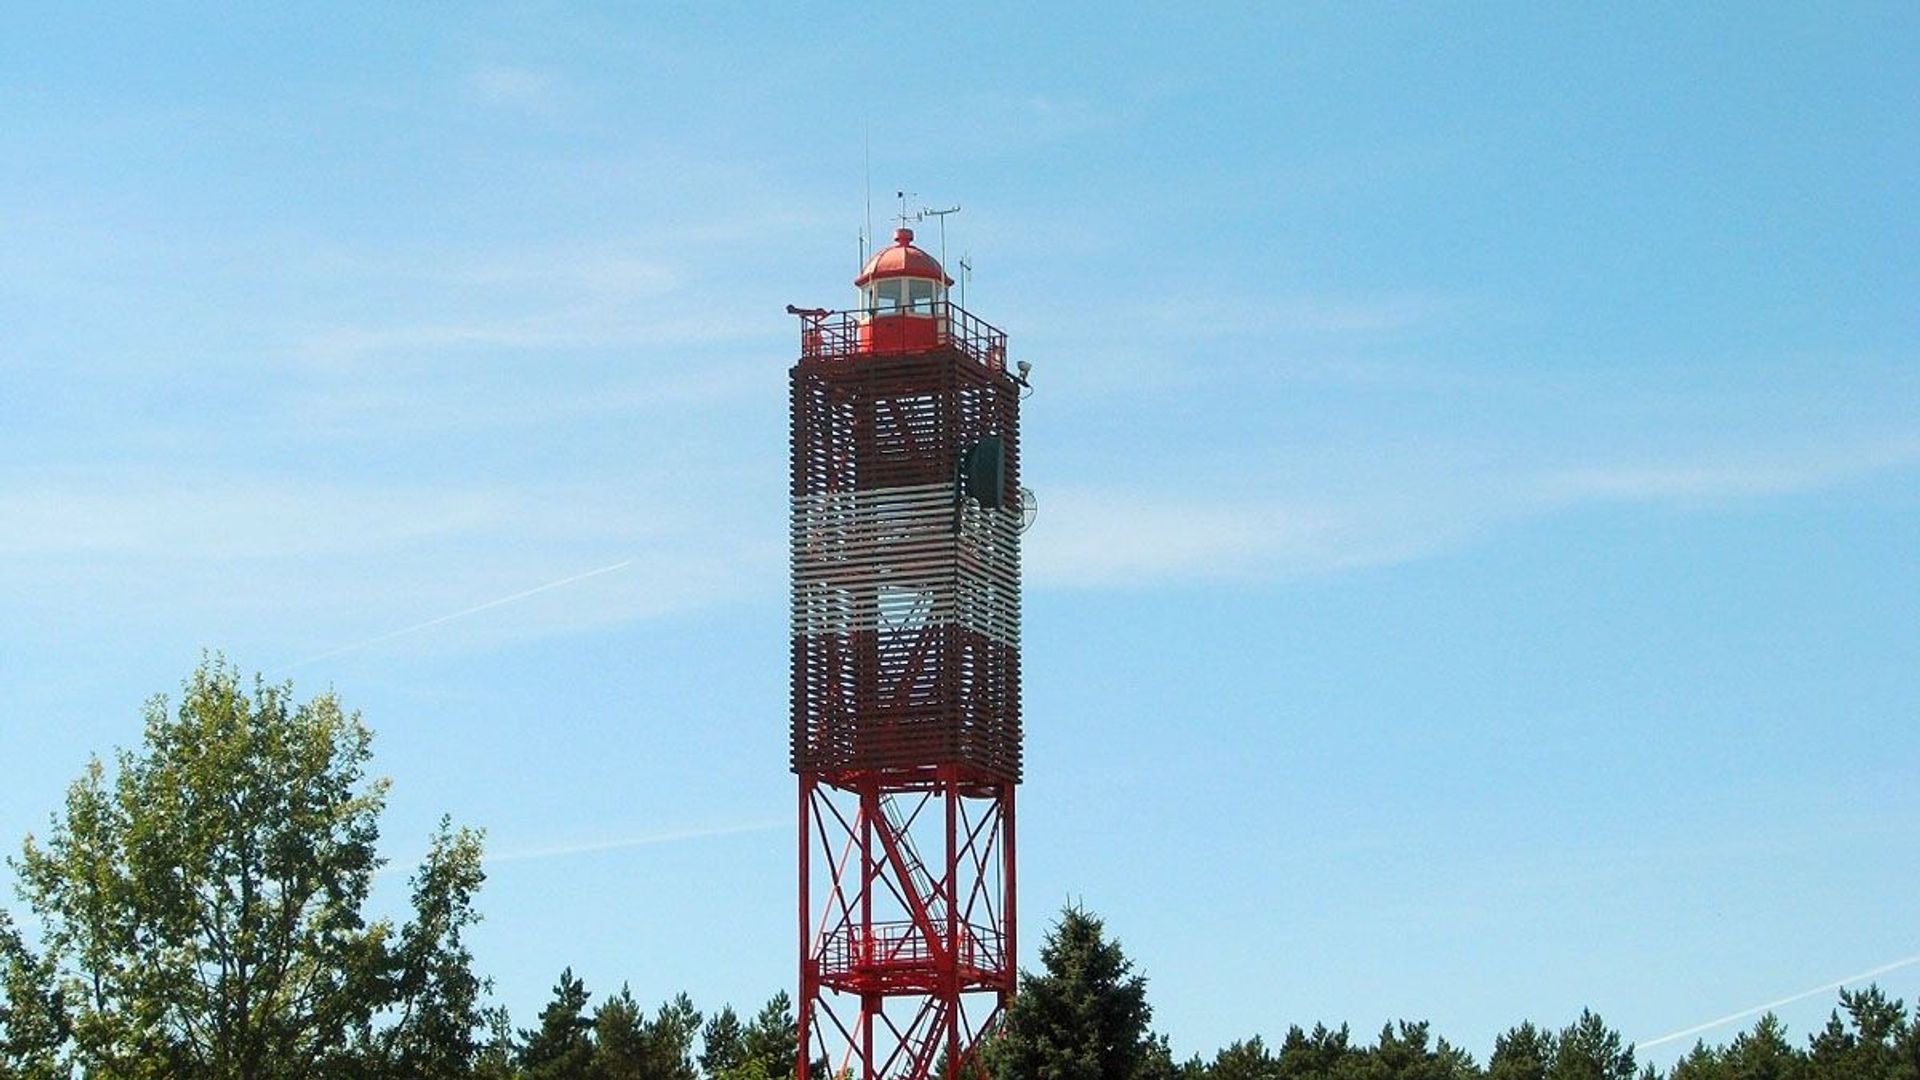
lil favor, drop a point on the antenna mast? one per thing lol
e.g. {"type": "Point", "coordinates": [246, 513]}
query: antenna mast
{"type": "Point", "coordinates": [929, 212]}
{"type": "Point", "coordinates": [866, 236]}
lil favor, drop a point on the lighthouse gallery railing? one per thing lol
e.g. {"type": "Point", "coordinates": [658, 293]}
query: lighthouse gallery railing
{"type": "Point", "coordinates": [835, 335]}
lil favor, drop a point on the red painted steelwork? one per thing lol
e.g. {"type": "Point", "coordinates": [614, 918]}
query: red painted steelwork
{"type": "Point", "coordinates": [906, 729]}
{"type": "Point", "coordinates": [843, 335]}
{"type": "Point", "coordinates": [902, 259]}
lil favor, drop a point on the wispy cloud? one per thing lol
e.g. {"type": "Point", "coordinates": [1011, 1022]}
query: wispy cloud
{"type": "Point", "coordinates": [579, 328]}
{"type": "Point", "coordinates": [1730, 477]}
{"type": "Point", "coordinates": [1091, 537]}
{"type": "Point", "coordinates": [437, 305]}
{"type": "Point", "coordinates": [295, 564]}
{"type": "Point", "coordinates": [1298, 315]}
{"type": "Point", "coordinates": [428, 401]}
{"type": "Point", "coordinates": [505, 85]}
{"type": "Point", "coordinates": [171, 518]}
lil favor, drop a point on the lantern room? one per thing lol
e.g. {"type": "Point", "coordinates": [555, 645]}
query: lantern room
{"type": "Point", "coordinates": [903, 299]}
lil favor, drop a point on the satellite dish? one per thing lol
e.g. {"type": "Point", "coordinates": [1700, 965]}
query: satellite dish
{"type": "Point", "coordinates": [1029, 508]}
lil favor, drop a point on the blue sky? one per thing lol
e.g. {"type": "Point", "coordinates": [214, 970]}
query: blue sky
{"type": "Point", "coordinates": [1477, 452]}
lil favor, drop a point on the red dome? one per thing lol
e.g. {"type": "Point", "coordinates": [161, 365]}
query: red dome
{"type": "Point", "coordinates": [901, 260]}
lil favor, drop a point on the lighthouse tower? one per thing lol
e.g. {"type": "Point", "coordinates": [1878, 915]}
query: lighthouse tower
{"type": "Point", "coordinates": [906, 524]}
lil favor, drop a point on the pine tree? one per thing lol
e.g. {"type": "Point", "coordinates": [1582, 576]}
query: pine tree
{"type": "Point", "coordinates": [1403, 1053]}
{"type": "Point", "coordinates": [1325, 1053]}
{"type": "Point", "coordinates": [622, 1045]}
{"type": "Point", "coordinates": [1244, 1060]}
{"type": "Point", "coordinates": [722, 1043]}
{"type": "Point", "coordinates": [561, 1048]}
{"type": "Point", "coordinates": [1084, 1018]}
{"type": "Point", "coordinates": [1764, 1054]}
{"type": "Point", "coordinates": [1590, 1050]}
{"type": "Point", "coordinates": [1703, 1062]}
{"type": "Point", "coordinates": [1868, 1044]}
{"type": "Point", "coordinates": [1521, 1053]}
{"type": "Point", "coordinates": [773, 1038]}
{"type": "Point", "coordinates": [669, 1041]}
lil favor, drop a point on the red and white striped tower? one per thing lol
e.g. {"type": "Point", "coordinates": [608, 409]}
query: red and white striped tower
{"type": "Point", "coordinates": [906, 524]}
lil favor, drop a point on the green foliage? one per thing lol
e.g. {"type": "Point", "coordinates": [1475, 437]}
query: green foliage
{"type": "Point", "coordinates": [1590, 1050]}
{"type": "Point", "coordinates": [1521, 1053]}
{"type": "Point", "coordinates": [200, 906]}
{"type": "Point", "coordinates": [1244, 1060]}
{"type": "Point", "coordinates": [617, 1042]}
{"type": "Point", "coordinates": [1324, 1052]}
{"type": "Point", "coordinates": [430, 972]}
{"type": "Point", "coordinates": [1703, 1062]}
{"type": "Point", "coordinates": [622, 1046]}
{"type": "Point", "coordinates": [630, 1047]}
{"type": "Point", "coordinates": [723, 1044]}
{"type": "Point", "coordinates": [1876, 1040]}
{"type": "Point", "coordinates": [33, 1016]}
{"type": "Point", "coordinates": [1157, 1063]}
{"type": "Point", "coordinates": [1084, 1018]}
{"type": "Point", "coordinates": [1406, 1051]}
{"type": "Point", "coordinates": [561, 1048]}
{"type": "Point", "coordinates": [1763, 1054]}
{"type": "Point", "coordinates": [202, 902]}
{"type": "Point", "coordinates": [497, 1057]}
{"type": "Point", "coordinates": [773, 1038]}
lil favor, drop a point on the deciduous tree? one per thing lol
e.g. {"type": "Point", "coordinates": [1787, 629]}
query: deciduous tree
{"type": "Point", "coordinates": [202, 901]}
{"type": "Point", "coordinates": [33, 1017]}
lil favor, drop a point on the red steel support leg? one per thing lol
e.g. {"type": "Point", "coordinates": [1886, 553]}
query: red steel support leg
{"type": "Point", "coordinates": [955, 947]}
{"type": "Point", "coordinates": [807, 973]}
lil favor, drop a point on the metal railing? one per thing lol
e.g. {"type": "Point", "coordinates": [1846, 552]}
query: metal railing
{"type": "Point", "coordinates": [837, 335]}
{"type": "Point", "coordinates": [903, 945]}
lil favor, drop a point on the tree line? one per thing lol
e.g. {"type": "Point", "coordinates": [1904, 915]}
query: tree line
{"type": "Point", "coordinates": [200, 909]}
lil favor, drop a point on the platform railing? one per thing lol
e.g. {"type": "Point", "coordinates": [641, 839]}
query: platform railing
{"type": "Point", "coordinates": [903, 945]}
{"type": "Point", "coordinates": [836, 335]}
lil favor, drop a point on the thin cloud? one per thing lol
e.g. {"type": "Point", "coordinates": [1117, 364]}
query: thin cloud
{"type": "Point", "coordinates": [413, 403]}
{"type": "Point", "coordinates": [1301, 315]}
{"type": "Point", "coordinates": [1730, 479]}
{"type": "Point", "coordinates": [172, 518]}
{"type": "Point", "coordinates": [1096, 538]}
{"type": "Point", "coordinates": [1092, 537]}
{"type": "Point", "coordinates": [264, 559]}
{"type": "Point", "coordinates": [578, 328]}
{"type": "Point", "coordinates": [513, 87]}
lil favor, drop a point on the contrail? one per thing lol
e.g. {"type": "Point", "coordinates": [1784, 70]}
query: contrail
{"type": "Point", "coordinates": [647, 840]}
{"type": "Point", "coordinates": [644, 840]}
{"type": "Point", "coordinates": [1788, 1000]}
{"type": "Point", "coordinates": [476, 609]}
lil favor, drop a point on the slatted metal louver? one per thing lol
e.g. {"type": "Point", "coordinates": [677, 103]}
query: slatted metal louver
{"type": "Point", "coordinates": [906, 598]}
